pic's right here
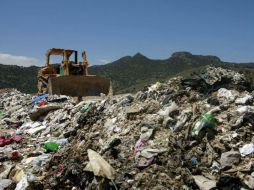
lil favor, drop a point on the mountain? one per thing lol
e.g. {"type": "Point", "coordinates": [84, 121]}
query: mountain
{"type": "Point", "coordinates": [22, 78]}
{"type": "Point", "coordinates": [132, 73]}
{"type": "Point", "coordinates": [129, 73]}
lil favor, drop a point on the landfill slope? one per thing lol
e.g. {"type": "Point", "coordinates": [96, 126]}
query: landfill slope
{"type": "Point", "coordinates": [194, 133]}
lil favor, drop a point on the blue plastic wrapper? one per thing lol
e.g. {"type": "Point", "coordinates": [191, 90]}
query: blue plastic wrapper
{"type": "Point", "coordinates": [39, 98]}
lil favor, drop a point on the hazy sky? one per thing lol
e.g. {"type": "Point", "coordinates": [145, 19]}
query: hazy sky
{"type": "Point", "coordinates": [110, 29]}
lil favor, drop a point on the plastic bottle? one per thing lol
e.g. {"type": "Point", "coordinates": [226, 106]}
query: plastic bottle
{"type": "Point", "coordinates": [51, 146]}
{"type": "Point", "coordinates": [208, 120]}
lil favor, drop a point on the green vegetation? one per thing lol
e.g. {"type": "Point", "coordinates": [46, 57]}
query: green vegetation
{"type": "Point", "coordinates": [22, 78]}
{"type": "Point", "coordinates": [130, 73]}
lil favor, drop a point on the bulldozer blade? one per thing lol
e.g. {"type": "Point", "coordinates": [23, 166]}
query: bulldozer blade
{"type": "Point", "coordinates": [79, 85]}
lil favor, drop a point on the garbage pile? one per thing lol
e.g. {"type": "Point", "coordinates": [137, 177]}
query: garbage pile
{"type": "Point", "coordinates": [32, 129]}
{"type": "Point", "coordinates": [183, 134]}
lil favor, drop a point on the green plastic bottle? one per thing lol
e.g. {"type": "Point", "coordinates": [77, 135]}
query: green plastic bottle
{"type": "Point", "coordinates": [208, 120]}
{"type": "Point", "coordinates": [51, 146]}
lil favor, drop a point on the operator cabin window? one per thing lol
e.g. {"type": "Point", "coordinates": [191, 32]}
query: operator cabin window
{"type": "Point", "coordinates": [56, 61]}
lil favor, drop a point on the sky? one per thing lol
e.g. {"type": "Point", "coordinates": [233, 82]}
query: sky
{"type": "Point", "coordinates": [111, 29]}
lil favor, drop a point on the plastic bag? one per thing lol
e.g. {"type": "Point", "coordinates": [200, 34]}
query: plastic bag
{"type": "Point", "coordinates": [99, 166]}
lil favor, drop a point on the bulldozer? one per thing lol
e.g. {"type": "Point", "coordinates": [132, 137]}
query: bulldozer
{"type": "Point", "coordinates": [70, 77]}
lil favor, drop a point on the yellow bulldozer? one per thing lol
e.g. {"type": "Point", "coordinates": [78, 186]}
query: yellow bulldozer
{"type": "Point", "coordinates": [70, 77]}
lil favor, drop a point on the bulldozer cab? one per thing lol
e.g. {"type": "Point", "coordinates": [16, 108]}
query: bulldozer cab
{"type": "Point", "coordinates": [67, 66]}
{"type": "Point", "coordinates": [70, 77]}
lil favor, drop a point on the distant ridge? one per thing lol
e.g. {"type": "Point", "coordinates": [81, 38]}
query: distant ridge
{"type": "Point", "coordinates": [132, 73]}
{"type": "Point", "coordinates": [129, 73]}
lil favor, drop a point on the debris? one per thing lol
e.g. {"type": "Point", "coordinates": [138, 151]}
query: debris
{"type": "Point", "coordinates": [229, 158]}
{"type": "Point", "coordinates": [203, 183]}
{"type": "Point", "coordinates": [40, 98]}
{"type": "Point", "coordinates": [35, 130]}
{"type": "Point", "coordinates": [213, 101]}
{"type": "Point", "coordinates": [39, 161]}
{"type": "Point", "coordinates": [247, 98]}
{"type": "Point", "coordinates": [154, 87]}
{"type": "Point", "coordinates": [246, 149]}
{"type": "Point", "coordinates": [4, 183]}
{"type": "Point", "coordinates": [19, 174]}
{"type": "Point", "coordinates": [22, 184]}
{"type": "Point", "coordinates": [6, 169]}
{"type": "Point", "coordinates": [15, 154]}
{"type": "Point", "coordinates": [250, 182]}
{"type": "Point", "coordinates": [85, 107]}
{"type": "Point", "coordinates": [2, 114]}
{"type": "Point", "coordinates": [227, 94]}
{"type": "Point", "coordinates": [43, 111]}
{"type": "Point", "coordinates": [179, 134]}
{"type": "Point", "coordinates": [42, 103]}
{"type": "Point", "coordinates": [245, 109]}
{"type": "Point", "coordinates": [167, 110]}
{"type": "Point", "coordinates": [229, 182]}
{"type": "Point", "coordinates": [51, 146]}
{"type": "Point", "coordinates": [99, 166]}
{"type": "Point", "coordinates": [208, 120]}
{"type": "Point", "coordinates": [194, 160]}
{"type": "Point", "coordinates": [5, 141]}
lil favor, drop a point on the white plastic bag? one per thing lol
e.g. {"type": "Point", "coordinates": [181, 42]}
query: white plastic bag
{"type": "Point", "coordinates": [99, 166]}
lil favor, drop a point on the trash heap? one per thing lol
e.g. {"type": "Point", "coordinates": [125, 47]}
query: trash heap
{"type": "Point", "coordinates": [192, 133]}
{"type": "Point", "coordinates": [32, 129]}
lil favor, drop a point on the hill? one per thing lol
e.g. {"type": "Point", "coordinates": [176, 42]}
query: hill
{"type": "Point", "coordinates": [129, 73]}
{"type": "Point", "coordinates": [21, 78]}
{"type": "Point", "coordinates": [132, 73]}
